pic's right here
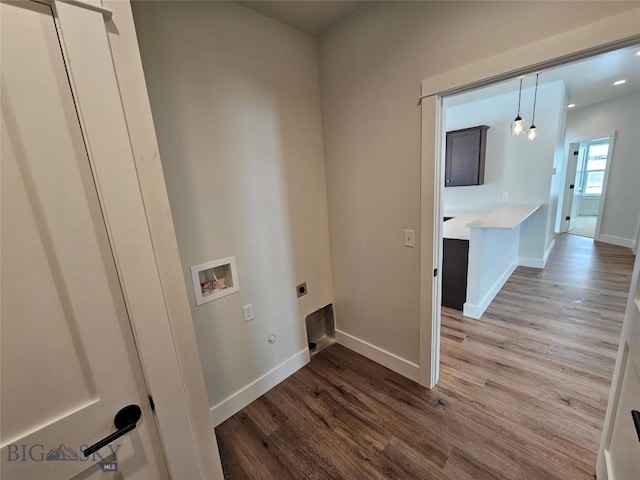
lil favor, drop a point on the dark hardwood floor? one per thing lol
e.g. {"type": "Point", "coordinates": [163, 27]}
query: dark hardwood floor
{"type": "Point", "coordinates": [522, 392]}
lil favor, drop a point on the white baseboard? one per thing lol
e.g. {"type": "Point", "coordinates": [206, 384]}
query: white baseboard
{"type": "Point", "coordinates": [378, 355]}
{"type": "Point", "coordinates": [621, 242]}
{"type": "Point", "coordinates": [535, 262]}
{"type": "Point", "coordinates": [243, 397]}
{"type": "Point", "coordinates": [476, 311]}
{"type": "Point", "coordinates": [531, 262]}
{"type": "Point", "coordinates": [605, 473]}
{"type": "Point", "coordinates": [547, 254]}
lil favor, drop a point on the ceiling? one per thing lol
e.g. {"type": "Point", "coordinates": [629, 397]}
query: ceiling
{"type": "Point", "coordinates": [311, 16]}
{"type": "Point", "coordinates": [587, 81]}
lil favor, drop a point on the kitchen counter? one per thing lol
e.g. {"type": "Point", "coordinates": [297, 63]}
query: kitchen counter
{"type": "Point", "coordinates": [502, 217]}
{"type": "Point", "coordinates": [480, 251]}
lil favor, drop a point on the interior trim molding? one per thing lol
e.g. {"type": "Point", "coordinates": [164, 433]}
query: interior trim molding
{"type": "Point", "coordinates": [612, 33]}
{"type": "Point", "coordinates": [531, 262]}
{"type": "Point", "coordinates": [535, 262]}
{"type": "Point", "coordinates": [582, 42]}
{"type": "Point", "coordinates": [475, 311]}
{"type": "Point", "coordinates": [620, 241]}
{"type": "Point", "coordinates": [386, 359]}
{"type": "Point", "coordinates": [247, 394]}
{"type": "Point", "coordinates": [107, 13]}
{"type": "Point", "coordinates": [547, 254]}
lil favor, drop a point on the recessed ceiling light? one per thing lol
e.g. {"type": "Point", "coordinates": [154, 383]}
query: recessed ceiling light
{"type": "Point", "coordinates": [571, 105]}
{"type": "Point", "coordinates": [619, 82]}
{"type": "Point", "coordinates": [638, 53]}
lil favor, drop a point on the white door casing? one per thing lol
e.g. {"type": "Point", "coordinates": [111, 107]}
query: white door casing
{"type": "Point", "coordinates": [618, 31]}
{"type": "Point", "coordinates": [580, 145]}
{"type": "Point", "coordinates": [69, 361]}
{"type": "Point", "coordinates": [605, 184]}
{"type": "Point", "coordinates": [141, 236]}
{"type": "Point", "coordinates": [190, 442]}
{"type": "Point", "coordinates": [158, 310]}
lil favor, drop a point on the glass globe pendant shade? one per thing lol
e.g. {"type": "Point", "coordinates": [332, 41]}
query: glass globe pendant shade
{"type": "Point", "coordinates": [532, 132]}
{"type": "Point", "coordinates": [518, 126]}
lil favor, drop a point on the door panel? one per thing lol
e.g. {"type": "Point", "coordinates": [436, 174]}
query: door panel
{"type": "Point", "coordinates": [623, 454]}
{"type": "Point", "coordinates": [68, 358]}
{"type": "Point", "coordinates": [572, 165]}
{"type": "Point", "coordinates": [578, 181]}
{"type": "Point", "coordinates": [620, 450]}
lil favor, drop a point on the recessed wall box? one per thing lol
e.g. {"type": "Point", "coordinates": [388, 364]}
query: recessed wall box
{"type": "Point", "coordinates": [321, 329]}
{"type": "Point", "coordinates": [215, 279]}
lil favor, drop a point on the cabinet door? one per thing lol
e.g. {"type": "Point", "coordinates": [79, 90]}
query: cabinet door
{"type": "Point", "coordinates": [455, 260]}
{"type": "Point", "coordinates": [465, 157]}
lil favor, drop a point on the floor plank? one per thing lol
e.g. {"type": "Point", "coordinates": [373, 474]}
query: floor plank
{"type": "Point", "coordinates": [522, 391]}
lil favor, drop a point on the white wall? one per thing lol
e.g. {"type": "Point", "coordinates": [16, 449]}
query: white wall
{"type": "Point", "coordinates": [521, 168]}
{"type": "Point", "coordinates": [513, 164]}
{"type": "Point", "coordinates": [493, 256]}
{"type": "Point", "coordinates": [557, 184]}
{"type": "Point", "coordinates": [236, 103]}
{"type": "Point", "coordinates": [622, 204]}
{"type": "Point", "coordinates": [372, 64]}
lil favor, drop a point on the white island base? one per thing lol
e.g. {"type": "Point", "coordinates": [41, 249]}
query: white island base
{"type": "Point", "coordinates": [494, 250]}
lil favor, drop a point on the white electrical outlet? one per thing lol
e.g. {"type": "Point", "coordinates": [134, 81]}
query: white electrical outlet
{"type": "Point", "coordinates": [505, 196]}
{"type": "Point", "coordinates": [409, 238]}
{"type": "Point", "coordinates": [248, 312]}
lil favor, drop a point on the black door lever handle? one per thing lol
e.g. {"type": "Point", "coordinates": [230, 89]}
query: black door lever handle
{"type": "Point", "coordinates": [636, 421]}
{"type": "Point", "coordinates": [125, 421]}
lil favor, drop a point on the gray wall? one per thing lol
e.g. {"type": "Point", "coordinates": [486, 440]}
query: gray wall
{"type": "Point", "coordinates": [372, 64]}
{"type": "Point", "coordinates": [236, 104]}
{"type": "Point", "coordinates": [245, 139]}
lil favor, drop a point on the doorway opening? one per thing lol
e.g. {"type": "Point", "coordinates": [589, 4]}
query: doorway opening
{"type": "Point", "coordinates": [586, 186]}
{"type": "Point", "coordinates": [576, 260]}
{"type": "Point", "coordinates": [435, 91]}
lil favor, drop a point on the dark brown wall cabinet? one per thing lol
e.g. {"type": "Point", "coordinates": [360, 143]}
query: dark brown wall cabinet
{"type": "Point", "coordinates": [465, 152]}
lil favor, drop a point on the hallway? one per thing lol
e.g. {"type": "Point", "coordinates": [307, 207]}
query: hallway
{"type": "Point", "coordinates": [522, 391]}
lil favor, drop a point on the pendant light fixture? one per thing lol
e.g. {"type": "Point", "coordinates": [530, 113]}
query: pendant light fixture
{"type": "Point", "coordinates": [532, 129]}
{"type": "Point", "coordinates": [518, 127]}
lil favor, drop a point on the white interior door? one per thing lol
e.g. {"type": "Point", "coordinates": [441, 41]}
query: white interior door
{"type": "Point", "coordinates": [572, 165]}
{"type": "Point", "coordinates": [68, 358]}
{"type": "Point", "coordinates": [577, 184]}
{"type": "Point", "coordinates": [619, 457]}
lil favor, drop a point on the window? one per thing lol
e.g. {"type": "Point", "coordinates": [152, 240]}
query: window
{"type": "Point", "coordinates": [596, 163]}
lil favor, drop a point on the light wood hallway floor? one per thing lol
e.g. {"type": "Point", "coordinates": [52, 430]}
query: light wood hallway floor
{"type": "Point", "coordinates": [522, 392]}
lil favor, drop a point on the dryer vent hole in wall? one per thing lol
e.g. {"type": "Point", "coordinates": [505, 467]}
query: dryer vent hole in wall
{"type": "Point", "coordinates": [321, 331]}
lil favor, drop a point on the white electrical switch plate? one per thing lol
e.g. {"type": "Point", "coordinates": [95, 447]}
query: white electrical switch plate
{"type": "Point", "coordinates": [248, 312]}
{"type": "Point", "coordinates": [409, 238]}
